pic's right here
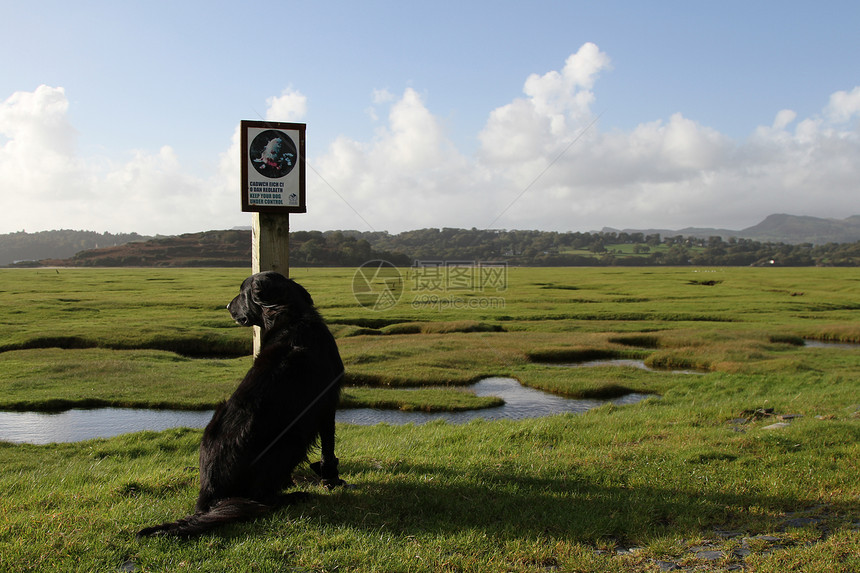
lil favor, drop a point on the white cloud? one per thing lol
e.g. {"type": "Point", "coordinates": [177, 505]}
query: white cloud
{"type": "Point", "coordinates": [567, 93]}
{"type": "Point", "coordinates": [844, 105]}
{"type": "Point", "coordinates": [382, 96]}
{"type": "Point", "coordinates": [405, 177]}
{"type": "Point", "coordinates": [540, 165]}
{"type": "Point", "coordinates": [291, 105]}
{"type": "Point", "coordinates": [784, 118]}
{"type": "Point", "coordinates": [36, 121]}
{"type": "Point", "coordinates": [414, 141]}
{"type": "Point", "coordinates": [557, 104]}
{"type": "Point", "coordinates": [543, 162]}
{"type": "Point", "coordinates": [37, 162]}
{"type": "Point", "coordinates": [663, 173]}
{"type": "Point", "coordinates": [46, 185]}
{"type": "Point", "coordinates": [379, 97]}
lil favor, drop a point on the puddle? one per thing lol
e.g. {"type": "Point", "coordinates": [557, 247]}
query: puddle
{"type": "Point", "coordinates": [808, 342]}
{"type": "Point", "coordinates": [620, 362]}
{"type": "Point", "coordinates": [520, 402]}
{"type": "Point", "coordinates": [78, 425]}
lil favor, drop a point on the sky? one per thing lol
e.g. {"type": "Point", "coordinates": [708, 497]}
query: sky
{"type": "Point", "coordinates": [563, 116]}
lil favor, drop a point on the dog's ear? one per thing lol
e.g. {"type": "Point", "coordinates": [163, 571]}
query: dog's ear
{"type": "Point", "coordinates": [270, 288]}
{"type": "Point", "coordinates": [300, 292]}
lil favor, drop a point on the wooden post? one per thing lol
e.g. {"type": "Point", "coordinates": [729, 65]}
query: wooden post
{"type": "Point", "coordinates": [271, 243]}
{"type": "Point", "coordinates": [273, 186]}
{"type": "Point", "coordinates": [270, 249]}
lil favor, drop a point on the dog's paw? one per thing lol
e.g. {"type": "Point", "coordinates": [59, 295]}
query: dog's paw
{"type": "Point", "coordinates": [292, 498]}
{"type": "Point", "coordinates": [328, 472]}
{"type": "Point", "coordinates": [330, 484]}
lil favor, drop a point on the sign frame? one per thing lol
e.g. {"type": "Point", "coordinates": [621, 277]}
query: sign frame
{"type": "Point", "coordinates": [282, 189]}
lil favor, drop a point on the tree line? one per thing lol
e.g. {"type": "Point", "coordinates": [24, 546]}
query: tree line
{"type": "Point", "coordinates": [522, 248]}
{"type": "Point", "coordinates": [549, 248]}
{"type": "Point", "coordinates": [23, 246]}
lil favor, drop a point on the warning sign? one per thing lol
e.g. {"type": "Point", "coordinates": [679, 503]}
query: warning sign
{"type": "Point", "coordinates": [273, 167]}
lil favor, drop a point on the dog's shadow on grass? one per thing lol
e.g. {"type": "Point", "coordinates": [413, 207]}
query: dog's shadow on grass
{"type": "Point", "coordinates": [429, 499]}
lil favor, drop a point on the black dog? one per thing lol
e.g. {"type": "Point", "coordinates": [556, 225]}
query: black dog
{"type": "Point", "coordinates": [272, 420]}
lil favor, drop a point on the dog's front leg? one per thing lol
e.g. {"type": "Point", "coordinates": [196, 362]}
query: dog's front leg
{"type": "Point", "coordinates": [326, 468]}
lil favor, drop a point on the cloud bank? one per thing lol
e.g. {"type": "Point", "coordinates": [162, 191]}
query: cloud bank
{"type": "Point", "coordinates": [543, 163]}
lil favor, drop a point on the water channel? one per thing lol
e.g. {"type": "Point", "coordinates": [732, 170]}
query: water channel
{"type": "Point", "coordinates": [825, 344]}
{"type": "Point", "coordinates": [520, 402]}
{"type": "Point", "coordinates": [78, 424]}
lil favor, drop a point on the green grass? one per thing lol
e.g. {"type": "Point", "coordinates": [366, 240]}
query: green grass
{"type": "Point", "coordinates": [560, 493]}
{"type": "Point", "coordinates": [627, 250]}
{"type": "Point", "coordinates": [430, 399]}
{"type": "Point", "coordinates": [483, 496]}
{"type": "Point", "coordinates": [57, 379]}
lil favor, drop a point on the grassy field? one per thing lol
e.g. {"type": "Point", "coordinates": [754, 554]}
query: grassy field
{"type": "Point", "coordinates": [630, 250]}
{"type": "Point", "coordinates": [697, 476]}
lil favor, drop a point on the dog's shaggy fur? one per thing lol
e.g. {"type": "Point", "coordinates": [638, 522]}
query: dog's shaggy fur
{"type": "Point", "coordinates": [268, 426]}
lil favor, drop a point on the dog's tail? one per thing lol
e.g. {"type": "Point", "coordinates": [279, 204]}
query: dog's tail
{"type": "Point", "coordinates": [224, 511]}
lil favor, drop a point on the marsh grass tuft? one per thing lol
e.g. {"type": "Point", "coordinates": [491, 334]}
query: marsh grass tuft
{"type": "Point", "coordinates": [417, 399]}
{"type": "Point", "coordinates": [599, 383]}
{"type": "Point", "coordinates": [791, 339]}
{"type": "Point", "coordinates": [637, 340]}
{"type": "Point", "coordinates": [560, 355]}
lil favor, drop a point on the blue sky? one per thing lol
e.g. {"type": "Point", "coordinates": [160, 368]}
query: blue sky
{"type": "Point", "coordinates": [551, 115]}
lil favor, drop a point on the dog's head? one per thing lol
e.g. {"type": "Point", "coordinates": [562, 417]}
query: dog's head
{"type": "Point", "coordinates": [264, 296]}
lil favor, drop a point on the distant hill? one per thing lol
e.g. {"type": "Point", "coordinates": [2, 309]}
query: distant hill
{"type": "Point", "coordinates": [798, 229]}
{"type": "Point", "coordinates": [779, 228]}
{"type": "Point", "coordinates": [230, 248]}
{"type": "Point", "coordinates": [22, 246]}
{"type": "Point", "coordinates": [206, 249]}
{"type": "Point", "coordinates": [783, 240]}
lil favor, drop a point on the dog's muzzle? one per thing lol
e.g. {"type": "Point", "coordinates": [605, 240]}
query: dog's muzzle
{"type": "Point", "coordinates": [241, 319]}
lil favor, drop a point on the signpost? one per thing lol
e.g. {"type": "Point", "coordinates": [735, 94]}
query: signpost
{"type": "Point", "coordinates": [273, 186]}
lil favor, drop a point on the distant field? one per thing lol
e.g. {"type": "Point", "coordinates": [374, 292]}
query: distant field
{"type": "Point", "coordinates": [630, 250]}
{"type": "Point", "coordinates": [564, 493]}
{"type": "Point", "coordinates": [172, 325]}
